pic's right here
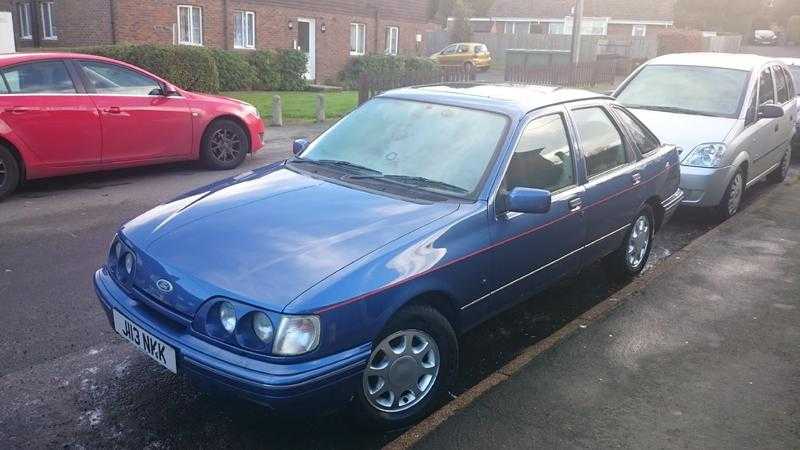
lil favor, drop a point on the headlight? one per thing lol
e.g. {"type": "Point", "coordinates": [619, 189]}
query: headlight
{"type": "Point", "coordinates": [706, 155]}
{"type": "Point", "coordinates": [262, 327]}
{"type": "Point", "coordinates": [129, 263]}
{"type": "Point", "coordinates": [227, 316]}
{"type": "Point", "coordinates": [252, 109]}
{"type": "Point", "coordinates": [296, 335]}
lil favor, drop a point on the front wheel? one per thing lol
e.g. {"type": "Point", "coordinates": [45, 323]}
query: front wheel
{"type": "Point", "coordinates": [411, 366]}
{"type": "Point", "coordinates": [630, 259]}
{"type": "Point", "coordinates": [732, 199]}
{"type": "Point", "coordinates": [225, 145]}
{"type": "Point", "coordinates": [9, 173]}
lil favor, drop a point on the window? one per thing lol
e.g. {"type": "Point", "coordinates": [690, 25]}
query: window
{"type": "Point", "coordinates": [644, 140]}
{"type": "Point", "coordinates": [639, 31]}
{"type": "Point", "coordinates": [795, 72]}
{"type": "Point", "coordinates": [392, 37]}
{"type": "Point", "coordinates": [107, 78]}
{"type": "Point", "coordinates": [480, 48]}
{"type": "Point", "coordinates": [358, 38]}
{"type": "Point", "coordinates": [48, 29]}
{"type": "Point", "coordinates": [766, 88]}
{"type": "Point", "coordinates": [24, 13]}
{"type": "Point", "coordinates": [244, 29]}
{"type": "Point", "coordinates": [780, 85]}
{"type": "Point", "coordinates": [697, 90]}
{"type": "Point", "coordinates": [450, 49]}
{"type": "Point", "coordinates": [791, 81]}
{"type": "Point", "coordinates": [543, 158]}
{"type": "Point", "coordinates": [463, 48]}
{"type": "Point", "coordinates": [555, 28]}
{"type": "Point", "coordinates": [47, 77]}
{"type": "Point", "coordinates": [510, 28]}
{"type": "Point", "coordinates": [536, 28]}
{"type": "Point", "coordinates": [190, 25]}
{"type": "Point", "coordinates": [589, 27]}
{"type": "Point", "coordinates": [601, 142]}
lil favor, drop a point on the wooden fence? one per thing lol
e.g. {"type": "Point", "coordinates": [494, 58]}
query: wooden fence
{"type": "Point", "coordinates": [370, 85]}
{"type": "Point", "coordinates": [586, 74]}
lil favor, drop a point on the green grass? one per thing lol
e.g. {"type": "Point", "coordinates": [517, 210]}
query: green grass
{"type": "Point", "coordinates": [300, 106]}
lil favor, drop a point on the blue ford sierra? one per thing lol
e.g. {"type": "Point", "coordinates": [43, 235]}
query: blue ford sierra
{"type": "Point", "coordinates": [344, 275]}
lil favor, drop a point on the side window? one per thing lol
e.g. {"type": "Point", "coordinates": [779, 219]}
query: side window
{"type": "Point", "coordinates": [601, 142]}
{"type": "Point", "coordinates": [106, 78]}
{"type": "Point", "coordinates": [46, 77]}
{"type": "Point", "coordinates": [766, 88]}
{"type": "Point", "coordinates": [449, 50]}
{"type": "Point", "coordinates": [463, 48]}
{"type": "Point", "coordinates": [643, 138]}
{"type": "Point", "coordinates": [543, 158]}
{"type": "Point", "coordinates": [780, 85]}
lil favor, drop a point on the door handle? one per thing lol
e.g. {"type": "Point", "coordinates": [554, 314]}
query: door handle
{"type": "Point", "coordinates": [575, 204]}
{"type": "Point", "coordinates": [637, 178]}
{"type": "Point", "coordinates": [112, 110]}
{"type": "Point", "coordinates": [17, 110]}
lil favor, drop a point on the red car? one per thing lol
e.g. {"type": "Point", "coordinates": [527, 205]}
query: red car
{"type": "Point", "coordinates": [66, 113]}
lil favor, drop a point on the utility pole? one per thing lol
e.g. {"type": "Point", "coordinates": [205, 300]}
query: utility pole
{"type": "Point", "coordinates": [576, 32]}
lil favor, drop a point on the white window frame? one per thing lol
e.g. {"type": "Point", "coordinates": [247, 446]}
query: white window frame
{"type": "Point", "coordinates": [248, 33]}
{"type": "Point", "coordinates": [639, 30]}
{"type": "Point", "coordinates": [47, 7]}
{"type": "Point", "coordinates": [191, 38]}
{"type": "Point", "coordinates": [392, 40]}
{"type": "Point", "coordinates": [24, 13]}
{"type": "Point", "coordinates": [598, 27]}
{"type": "Point", "coordinates": [360, 30]}
{"type": "Point", "coordinates": [513, 28]}
{"type": "Point", "coordinates": [555, 28]}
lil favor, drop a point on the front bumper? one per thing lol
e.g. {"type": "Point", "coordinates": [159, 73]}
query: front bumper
{"type": "Point", "coordinates": [703, 186]}
{"type": "Point", "coordinates": [321, 384]}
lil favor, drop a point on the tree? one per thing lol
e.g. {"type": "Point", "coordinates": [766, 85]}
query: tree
{"type": "Point", "coordinates": [720, 15]}
{"type": "Point", "coordinates": [442, 9]}
{"type": "Point", "coordinates": [461, 30]}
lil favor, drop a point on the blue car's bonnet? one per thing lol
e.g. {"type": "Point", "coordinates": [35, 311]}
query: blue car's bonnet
{"type": "Point", "coordinates": [264, 239]}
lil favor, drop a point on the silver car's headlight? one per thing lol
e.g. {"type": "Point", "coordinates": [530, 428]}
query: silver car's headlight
{"type": "Point", "coordinates": [706, 155]}
{"type": "Point", "coordinates": [296, 335]}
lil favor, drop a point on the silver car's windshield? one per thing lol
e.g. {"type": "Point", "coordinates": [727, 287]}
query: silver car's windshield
{"type": "Point", "coordinates": [434, 147]}
{"type": "Point", "coordinates": [687, 89]}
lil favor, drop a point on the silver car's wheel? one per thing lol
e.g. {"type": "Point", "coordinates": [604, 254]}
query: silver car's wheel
{"type": "Point", "coordinates": [401, 371]}
{"type": "Point", "coordinates": [735, 192]}
{"type": "Point", "coordinates": [638, 243]}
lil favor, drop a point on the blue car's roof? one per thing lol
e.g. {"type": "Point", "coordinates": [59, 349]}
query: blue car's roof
{"type": "Point", "coordinates": [510, 99]}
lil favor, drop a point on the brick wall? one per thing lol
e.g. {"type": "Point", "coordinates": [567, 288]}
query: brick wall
{"type": "Point", "coordinates": [77, 23]}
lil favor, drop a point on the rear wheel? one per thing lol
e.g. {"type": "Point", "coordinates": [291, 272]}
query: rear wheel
{"type": "Point", "coordinates": [411, 366]}
{"type": "Point", "coordinates": [630, 259]}
{"type": "Point", "coordinates": [779, 174]}
{"type": "Point", "coordinates": [225, 145]}
{"type": "Point", "coordinates": [10, 173]}
{"type": "Point", "coordinates": [732, 199]}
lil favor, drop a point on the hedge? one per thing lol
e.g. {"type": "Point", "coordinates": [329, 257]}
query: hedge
{"type": "Point", "coordinates": [210, 70]}
{"type": "Point", "coordinates": [384, 65]}
{"type": "Point", "coordinates": [679, 41]}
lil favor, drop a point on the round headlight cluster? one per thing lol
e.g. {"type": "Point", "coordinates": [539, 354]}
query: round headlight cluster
{"type": "Point", "coordinates": [129, 263]}
{"type": "Point", "coordinates": [227, 317]}
{"type": "Point", "coordinates": [262, 327]}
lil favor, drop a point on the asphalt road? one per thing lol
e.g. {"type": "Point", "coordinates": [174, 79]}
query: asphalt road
{"type": "Point", "coordinates": [67, 380]}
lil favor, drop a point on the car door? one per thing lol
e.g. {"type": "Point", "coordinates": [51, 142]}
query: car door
{"type": "Point", "coordinates": [613, 175]}
{"type": "Point", "coordinates": [767, 129]}
{"type": "Point", "coordinates": [138, 122]}
{"type": "Point", "coordinates": [533, 250]}
{"type": "Point", "coordinates": [786, 123]}
{"type": "Point", "coordinates": [448, 56]}
{"type": "Point", "coordinates": [46, 109]}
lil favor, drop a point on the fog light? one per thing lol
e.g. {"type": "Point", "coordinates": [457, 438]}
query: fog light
{"type": "Point", "coordinates": [262, 326]}
{"type": "Point", "coordinates": [227, 317]}
{"type": "Point", "coordinates": [129, 263]}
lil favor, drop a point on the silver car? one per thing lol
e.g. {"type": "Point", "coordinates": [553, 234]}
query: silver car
{"type": "Point", "coordinates": [794, 68]}
{"type": "Point", "coordinates": [732, 115]}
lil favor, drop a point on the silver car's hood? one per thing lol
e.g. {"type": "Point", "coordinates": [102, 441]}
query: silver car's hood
{"type": "Point", "coordinates": [686, 130]}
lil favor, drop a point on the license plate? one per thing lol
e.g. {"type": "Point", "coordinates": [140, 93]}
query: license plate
{"type": "Point", "coordinates": [152, 347]}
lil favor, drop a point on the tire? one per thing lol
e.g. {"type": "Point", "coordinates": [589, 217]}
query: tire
{"type": "Point", "coordinates": [225, 145]}
{"type": "Point", "coordinates": [631, 257]}
{"type": "Point", "coordinates": [732, 200]}
{"type": "Point", "coordinates": [379, 410]}
{"type": "Point", "coordinates": [10, 173]}
{"type": "Point", "coordinates": [780, 174]}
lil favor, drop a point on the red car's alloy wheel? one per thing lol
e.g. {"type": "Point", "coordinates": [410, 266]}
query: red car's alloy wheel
{"type": "Point", "coordinates": [225, 145]}
{"type": "Point", "coordinates": [3, 173]}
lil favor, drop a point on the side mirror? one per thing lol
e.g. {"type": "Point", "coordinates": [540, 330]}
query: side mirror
{"type": "Point", "coordinates": [770, 112]}
{"type": "Point", "coordinates": [527, 200]}
{"type": "Point", "coordinates": [169, 90]}
{"type": "Point", "coordinates": [299, 146]}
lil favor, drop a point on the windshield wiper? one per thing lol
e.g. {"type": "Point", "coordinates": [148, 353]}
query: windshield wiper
{"type": "Point", "coordinates": [336, 163]}
{"type": "Point", "coordinates": [675, 109]}
{"type": "Point", "coordinates": [414, 181]}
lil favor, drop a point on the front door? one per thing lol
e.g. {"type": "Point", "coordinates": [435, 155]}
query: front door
{"type": "Point", "coordinates": [138, 122]}
{"type": "Point", "coordinates": [306, 43]}
{"type": "Point", "coordinates": [768, 129]}
{"type": "Point", "coordinates": [41, 105]}
{"type": "Point", "coordinates": [533, 250]}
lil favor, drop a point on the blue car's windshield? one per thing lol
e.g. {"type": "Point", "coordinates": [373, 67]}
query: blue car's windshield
{"type": "Point", "coordinates": [687, 89]}
{"type": "Point", "coordinates": [433, 147]}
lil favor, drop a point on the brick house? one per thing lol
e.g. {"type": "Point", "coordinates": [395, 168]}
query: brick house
{"type": "Point", "coordinates": [613, 18]}
{"type": "Point", "coordinates": [329, 31]}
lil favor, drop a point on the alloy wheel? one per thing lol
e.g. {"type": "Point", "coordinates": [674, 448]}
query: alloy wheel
{"type": "Point", "coordinates": [401, 371]}
{"type": "Point", "coordinates": [3, 173]}
{"type": "Point", "coordinates": [735, 195]}
{"type": "Point", "coordinates": [638, 242]}
{"type": "Point", "coordinates": [225, 145]}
